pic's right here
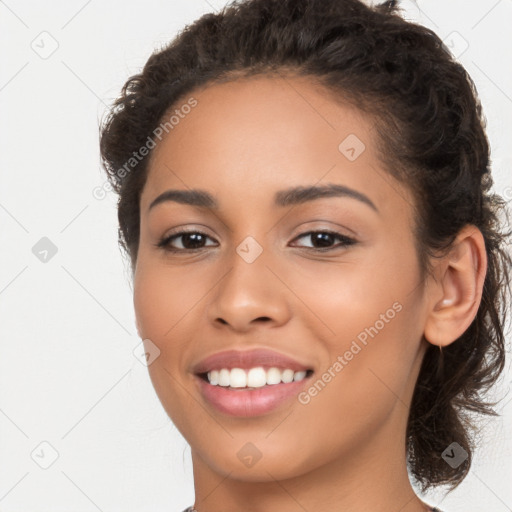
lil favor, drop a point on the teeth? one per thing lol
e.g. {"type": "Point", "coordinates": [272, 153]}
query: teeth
{"type": "Point", "coordinates": [254, 378]}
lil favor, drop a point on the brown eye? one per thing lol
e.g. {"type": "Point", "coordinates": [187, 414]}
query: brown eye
{"type": "Point", "coordinates": [322, 240]}
{"type": "Point", "coordinates": [191, 240]}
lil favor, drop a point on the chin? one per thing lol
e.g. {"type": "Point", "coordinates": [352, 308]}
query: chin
{"type": "Point", "coordinates": [248, 464]}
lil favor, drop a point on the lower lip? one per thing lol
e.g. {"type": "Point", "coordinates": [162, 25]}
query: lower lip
{"type": "Point", "coordinates": [250, 402]}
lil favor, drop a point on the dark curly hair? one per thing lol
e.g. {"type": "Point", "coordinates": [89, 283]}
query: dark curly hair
{"type": "Point", "coordinates": [431, 136]}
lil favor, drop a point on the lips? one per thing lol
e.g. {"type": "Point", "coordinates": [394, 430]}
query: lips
{"type": "Point", "coordinates": [248, 359]}
{"type": "Point", "coordinates": [249, 401]}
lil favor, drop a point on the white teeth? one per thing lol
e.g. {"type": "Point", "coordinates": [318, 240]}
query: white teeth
{"type": "Point", "coordinates": [287, 376]}
{"type": "Point", "coordinates": [237, 378]}
{"type": "Point", "coordinates": [224, 377]}
{"type": "Point", "coordinates": [299, 375]}
{"type": "Point", "coordinates": [273, 376]}
{"type": "Point", "coordinates": [213, 377]}
{"type": "Point", "coordinates": [254, 378]}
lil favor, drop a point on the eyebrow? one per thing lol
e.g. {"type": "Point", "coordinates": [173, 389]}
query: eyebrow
{"type": "Point", "coordinates": [288, 197]}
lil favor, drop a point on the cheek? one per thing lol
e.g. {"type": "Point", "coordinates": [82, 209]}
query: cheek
{"type": "Point", "coordinates": [158, 310]}
{"type": "Point", "coordinates": [348, 296]}
{"type": "Point", "coordinates": [370, 315]}
{"type": "Point", "coordinates": [161, 299]}
{"type": "Point", "coordinates": [161, 305]}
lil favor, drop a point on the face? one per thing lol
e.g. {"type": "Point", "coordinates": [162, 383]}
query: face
{"type": "Point", "coordinates": [331, 281]}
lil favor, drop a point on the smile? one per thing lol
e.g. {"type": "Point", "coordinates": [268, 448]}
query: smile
{"type": "Point", "coordinates": [254, 392]}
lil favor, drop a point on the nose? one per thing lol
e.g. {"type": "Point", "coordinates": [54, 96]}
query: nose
{"type": "Point", "coordinates": [249, 294]}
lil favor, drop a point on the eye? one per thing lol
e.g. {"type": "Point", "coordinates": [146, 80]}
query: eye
{"type": "Point", "coordinates": [194, 240]}
{"type": "Point", "coordinates": [325, 238]}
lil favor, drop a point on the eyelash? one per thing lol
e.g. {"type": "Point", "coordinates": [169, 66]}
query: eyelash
{"type": "Point", "coordinates": [164, 243]}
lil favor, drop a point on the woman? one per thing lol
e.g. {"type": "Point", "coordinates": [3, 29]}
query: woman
{"type": "Point", "coordinates": [318, 376]}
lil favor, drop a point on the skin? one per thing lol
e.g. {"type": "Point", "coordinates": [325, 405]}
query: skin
{"type": "Point", "coordinates": [345, 449]}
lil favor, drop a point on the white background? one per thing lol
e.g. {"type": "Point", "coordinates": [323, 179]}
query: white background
{"type": "Point", "coordinates": [68, 375]}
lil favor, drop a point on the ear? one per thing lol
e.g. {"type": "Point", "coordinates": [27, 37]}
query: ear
{"type": "Point", "coordinates": [457, 291]}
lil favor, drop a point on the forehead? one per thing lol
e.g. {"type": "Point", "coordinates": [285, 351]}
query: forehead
{"type": "Point", "coordinates": [246, 137]}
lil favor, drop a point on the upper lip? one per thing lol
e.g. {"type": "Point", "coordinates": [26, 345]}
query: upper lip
{"type": "Point", "coordinates": [247, 359]}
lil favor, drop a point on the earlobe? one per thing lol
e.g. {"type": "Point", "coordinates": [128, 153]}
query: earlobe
{"type": "Point", "coordinates": [456, 295]}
